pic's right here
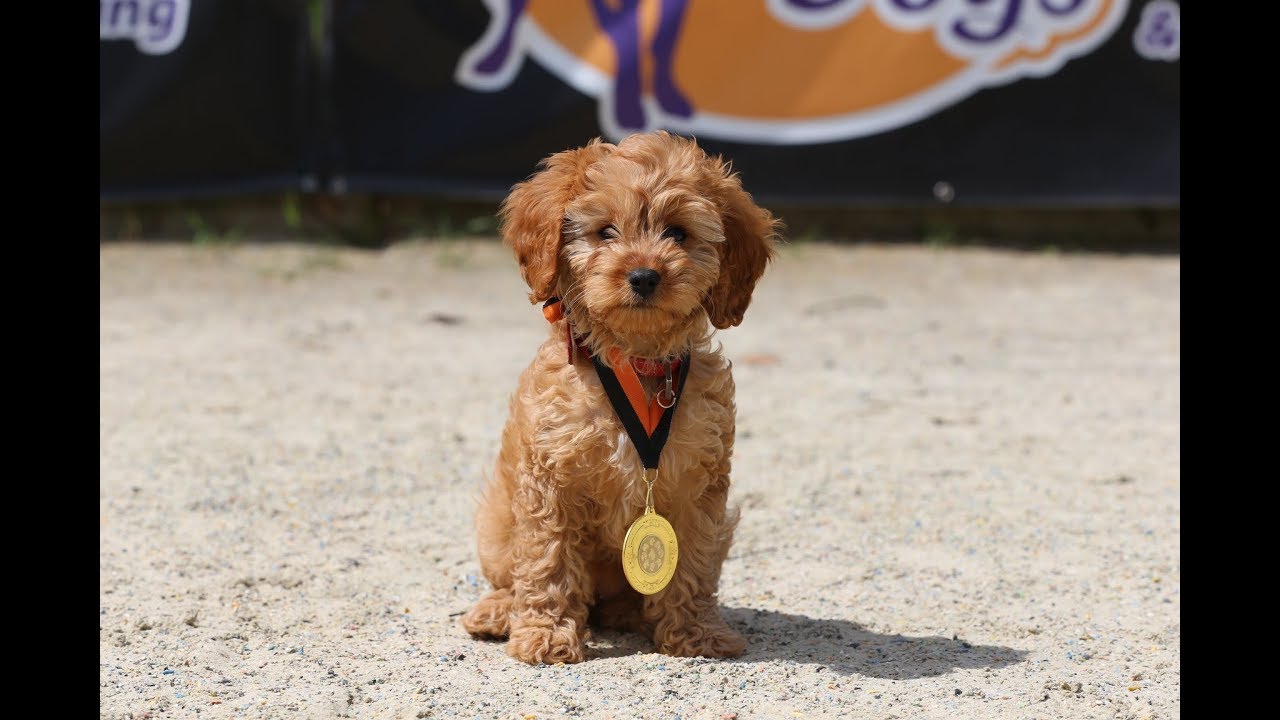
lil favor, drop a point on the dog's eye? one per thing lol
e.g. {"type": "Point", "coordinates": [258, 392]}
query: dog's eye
{"type": "Point", "coordinates": [608, 232]}
{"type": "Point", "coordinates": [675, 233]}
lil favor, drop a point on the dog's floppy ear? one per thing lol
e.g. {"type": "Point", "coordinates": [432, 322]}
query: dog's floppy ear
{"type": "Point", "coordinates": [532, 216]}
{"type": "Point", "coordinates": [749, 235]}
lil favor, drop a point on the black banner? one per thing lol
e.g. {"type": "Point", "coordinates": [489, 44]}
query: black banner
{"type": "Point", "coordinates": [204, 98]}
{"type": "Point", "coordinates": [837, 103]}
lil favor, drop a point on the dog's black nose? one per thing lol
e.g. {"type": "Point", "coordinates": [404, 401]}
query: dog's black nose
{"type": "Point", "coordinates": [644, 281]}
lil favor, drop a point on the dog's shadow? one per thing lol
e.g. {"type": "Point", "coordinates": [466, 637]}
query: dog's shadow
{"type": "Point", "coordinates": [839, 645]}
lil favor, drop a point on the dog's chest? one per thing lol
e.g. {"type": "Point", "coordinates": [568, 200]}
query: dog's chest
{"type": "Point", "coordinates": [601, 464]}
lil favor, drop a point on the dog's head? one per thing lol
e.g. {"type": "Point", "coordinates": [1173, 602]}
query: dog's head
{"type": "Point", "coordinates": [645, 241]}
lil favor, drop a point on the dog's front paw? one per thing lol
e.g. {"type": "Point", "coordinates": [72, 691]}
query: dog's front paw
{"type": "Point", "coordinates": [706, 638]}
{"type": "Point", "coordinates": [550, 645]}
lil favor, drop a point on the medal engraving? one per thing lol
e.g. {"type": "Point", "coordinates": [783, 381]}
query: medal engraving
{"type": "Point", "coordinates": [651, 554]}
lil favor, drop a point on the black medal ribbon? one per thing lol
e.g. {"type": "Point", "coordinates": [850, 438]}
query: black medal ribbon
{"type": "Point", "coordinates": [649, 446]}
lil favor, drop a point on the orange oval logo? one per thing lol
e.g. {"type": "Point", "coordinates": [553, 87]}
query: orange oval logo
{"type": "Point", "coordinates": [782, 71]}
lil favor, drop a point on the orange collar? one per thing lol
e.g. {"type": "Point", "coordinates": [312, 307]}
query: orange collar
{"type": "Point", "coordinates": [553, 310]}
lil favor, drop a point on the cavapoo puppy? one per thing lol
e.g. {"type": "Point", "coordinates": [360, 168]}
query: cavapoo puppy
{"type": "Point", "coordinates": [608, 499]}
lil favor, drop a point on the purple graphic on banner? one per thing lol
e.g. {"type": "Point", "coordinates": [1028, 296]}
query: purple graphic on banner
{"type": "Point", "coordinates": [671, 19]}
{"type": "Point", "coordinates": [1007, 19]}
{"type": "Point", "coordinates": [620, 20]}
{"type": "Point", "coordinates": [493, 61]}
{"type": "Point", "coordinates": [155, 26]}
{"type": "Point", "coordinates": [623, 28]}
{"type": "Point", "coordinates": [1159, 32]}
{"type": "Point", "coordinates": [978, 24]}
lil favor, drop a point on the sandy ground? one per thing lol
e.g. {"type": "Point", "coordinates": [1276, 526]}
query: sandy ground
{"type": "Point", "coordinates": [958, 468]}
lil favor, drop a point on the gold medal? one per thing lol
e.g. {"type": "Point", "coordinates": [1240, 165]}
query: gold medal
{"type": "Point", "coordinates": [650, 553]}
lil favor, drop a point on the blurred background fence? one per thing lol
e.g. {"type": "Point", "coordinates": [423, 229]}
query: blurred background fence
{"type": "Point", "coordinates": [1048, 121]}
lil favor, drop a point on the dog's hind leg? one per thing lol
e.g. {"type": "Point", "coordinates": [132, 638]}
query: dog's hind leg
{"type": "Point", "coordinates": [491, 617]}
